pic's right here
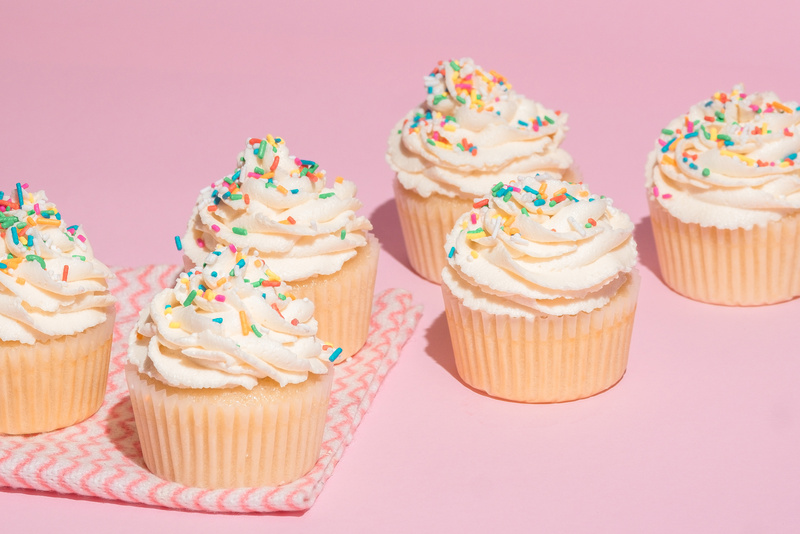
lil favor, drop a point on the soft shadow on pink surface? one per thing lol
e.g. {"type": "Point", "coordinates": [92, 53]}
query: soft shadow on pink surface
{"type": "Point", "coordinates": [121, 431]}
{"type": "Point", "coordinates": [386, 227]}
{"type": "Point", "coordinates": [646, 245]}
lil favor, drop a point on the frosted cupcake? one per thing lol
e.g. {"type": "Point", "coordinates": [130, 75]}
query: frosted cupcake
{"type": "Point", "coordinates": [56, 318]}
{"type": "Point", "coordinates": [229, 384]}
{"type": "Point", "coordinates": [540, 292]}
{"type": "Point", "coordinates": [281, 207]}
{"type": "Point", "coordinates": [724, 194]}
{"type": "Point", "coordinates": [471, 131]}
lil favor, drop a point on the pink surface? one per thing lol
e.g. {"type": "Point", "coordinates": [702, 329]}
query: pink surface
{"type": "Point", "coordinates": [122, 113]}
{"type": "Point", "coordinates": [102, 456]}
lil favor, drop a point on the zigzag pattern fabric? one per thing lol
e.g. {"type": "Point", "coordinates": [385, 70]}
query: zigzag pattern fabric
{"type": "Point", "coordinates": [101, 457]}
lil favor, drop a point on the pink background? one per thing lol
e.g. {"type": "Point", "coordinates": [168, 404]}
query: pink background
{"type": "Point", "coordinates": [122, 113]}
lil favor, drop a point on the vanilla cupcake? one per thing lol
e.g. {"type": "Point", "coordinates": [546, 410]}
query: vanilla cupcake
{"type": "Point", "coordinates": [56, 318]}
{"type": "Point", "coordinates": [724, 193]}
{"type": "Point", "coordinates": [471, 131]}
{"type": "Point", "coordinates": [229, 384]}
{"type": "Point", "coordinates": [540, 291]}
{"type": "Point", "coordinates": [281, 207]}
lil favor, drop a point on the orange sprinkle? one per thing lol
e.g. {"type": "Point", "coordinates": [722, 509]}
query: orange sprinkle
{"type": "Point", "coordinates": [282, 189]}
{"type": "Point", "coordinates": [786, 109]}
{"type": "Point", "coordinates": [542, 188]}
{"type": "Point", "coordinates": [65, 273]}
{"type": "Point", "coordinates": [339, 179]}
{"type": "Point", "coordinates": [212, 209]}
{"type": "Point", "coordinates": [246, 198]}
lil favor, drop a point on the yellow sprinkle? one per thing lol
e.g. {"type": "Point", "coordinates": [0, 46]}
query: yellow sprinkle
{"type": "Point", "coordinates": [174, 324]}
{"type": "Point", "coordinates": [713, 132]}
{"type": "Point", "coordinates": [666, 160]}
{"type": "Point", "coordinates": [21, 281]}
{"type": "Point", "coordinates": [474, 254]}
{"type": "Point", "coordinates": [783, 164]}
{"type": "Point", "coordinates": [272, 276]}
{"type": "Point", "coordinates": [209, 295]}
{"type": "Point", "coordinates": [476, 235]}
{"type": "Point", "coordinates": [560, 192]}
{"type": "Point", "coordinates": [243, 320]}
{"type": "Point", "coordinates": [270, 140]}
{"type": "Point", "coordinates": [450, 127]}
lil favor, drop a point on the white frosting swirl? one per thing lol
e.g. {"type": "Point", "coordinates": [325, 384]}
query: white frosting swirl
{"type": "Point", "coordinates": [471, 131]}
{"type": "Point", "coordinates": [279, 205]}
{"type": "Point", "coordinates": [540, 245]}
{"type": "Point", "coordinates": [730, 162]}
{"type": "Point", "coordinates": [227, 324]}
{"type": "Point", "coordinates": [51, 285]}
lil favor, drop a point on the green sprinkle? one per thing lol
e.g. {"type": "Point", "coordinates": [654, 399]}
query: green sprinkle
{"type": "Point", "coordinates": [228, 180]}
{"type": "Point", "coordinates": [238, 230]}
{"type": "Point", "coordinates": [258, 170]}
{"type": "Point", "coordinates": [525, 211]}
{"type": "Point", "coordinates": [255, 330]}
{"type": "Point", "coordinates": [507, 196]}
{"type": "Point", "coordinates": [724, 137]}
{"type": "Point", "coordinates": [706, 172]}
{"type": "Point", "coordinates": [82, 258]}
{"type": "Point", "coordinates": [553, 203]}
{"type": "Point", "coordinates": [497, 187]}
{"type": "Point", "coordinates": [235, 196]}
{"type": "Point", "coordinates": [459, 145]}
{"type": "Point", "coordinates": [455, 66]}
{"type": "Point", "coordinates": [705, 133]}
{"type": "Point", "coordinates": [190, 298]}
{"type": "Point", "coordinates": [281, 296]}
{"type": "Point", "coordinates": [461, 99]}
{"type": "Point", "coordinates": [548, 119]}
{"type": "Point", "coordinates": [431, 142]}
{"type": "Point", "coordinates": [262, 148]}
{"type": "Point", "coordinates": [344, 232]}
{"type": "Point", "coordinates": [269, 184]}
{"type": "Point", "coordinates": [587, 225]}
{"type": "Point", "coordinates": [39, 259]}
{"type": "Point", "coordinates": [436, 100]}
{"type": "Point", "coordinates": [667, 131]}
{"type": "Point", "coordinates": [720, 116]}
{"type": "Point", "coordinates": [326, 195]}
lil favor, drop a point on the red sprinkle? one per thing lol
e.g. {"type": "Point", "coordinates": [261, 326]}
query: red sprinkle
{"type": "Point", "coordinates": [246, 198]}
{"type": "Point", "coordinates": [65, 273]}
{"type": "Point", "coordinates": [212, 209]}
{"type": "Point", "coordinates": [481, 203]}
{"type": "Point", "coordinates": [270, 283]}
{"type": "Point", "coordinates": [274, 163]}
{"type": "Point", "coordinates": [295, 322]}
{"type": "Point", "coordinates": [254, 141]}
{"type": "Point", "coordinates": [291, 219]}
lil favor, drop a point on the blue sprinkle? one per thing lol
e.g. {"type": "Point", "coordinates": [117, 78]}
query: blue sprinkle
{"type": "Point", "coordinates": [178, 242]}
{"type": "Point", "coordinates": [19, 194]}
{"type": "Point", "coordinates": [452, 252]}
{"type": "Point", "coordinates": [214, 274]}
{"type": "Point", "coordinates": [30, 241]}
{"type": "Point", "coordinates": [227, 194]}
{"type": "Point", "coordinates": [792, 156]}
{"type": "Point", "coordinates": [529, 189]}
{"type": "Point", "coordinates": [523, 123]}
{"type": "Point", "coordinates": [236, 174]}
{"type": "Point", "coordinates": [539, 202]}
{"type": "Point", "coordinates": [306, 162]}
{"type": "Point", "coordinates": [666, 147]}
{"type": "Point", "coordinates": [335, 354]}
{"type": "Point", "coordinates": [294, 191]}
{"type": "Point", "coordinates": [690, 135]}
{"type": "Point", "coordinates": [240, 263]}
{"type": "Point", "coordinates": [217, 320]}
{"type": "Point", "coordinates": [14, 235]}
{"type": "Point", "coordinates": [728, 143]}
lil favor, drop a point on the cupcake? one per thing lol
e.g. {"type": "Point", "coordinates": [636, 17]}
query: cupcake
{"type": "Point", "coordinates": [229, 384]}
{"type": "Point", "coordinates": [281, 207]}
{"type": "Point", "coordinates": [724, 194]}
{"type": "Point", "coordinates": [540, 291]}
{"type": "Point", "coordinates": [57, 318]}
{"type": "Point", "coordinates": [471, 131]}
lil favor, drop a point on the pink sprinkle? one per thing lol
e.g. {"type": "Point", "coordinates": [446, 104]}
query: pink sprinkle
{"type": "Point", "coordinates": [215, 227]}
{"type": "Point", "coordinates": [689, 126]}
{"type": "Point", "coordinates": [220, 298]}
{"type": "Point", "coordinates": [535, 127]}
{"type": "Point", "coordinates": [201, 243]}
{"type": "Point", "coordinates": [232, 247]}
{"type": "Point", "coordinates": [24, 186]}
{"type": "Point", "coordinates": [662, 142]}
{"type": "Point", "coordinates": [666, 195]}
{"type": "Point", "coordinates": [36, 209]}
{"type": "Point", "coordinates": [771, 163]}
{"type": "Point", "coordinates": [753, 107]}
{"type": "Point", "coordinates": [474, 218]}
{"type": "Point", "coordinates": [297, 161]}
{"type": "Point", "coordinates": [742, 95]}
{"type": "Point", "coordinates": [83, 239]}
{"type": "Point", "coordinates": [253, 175]}
{"type": "Point", "coordinates": [655, 191]}
{"type": "Point", "coordinates": [516, 189]}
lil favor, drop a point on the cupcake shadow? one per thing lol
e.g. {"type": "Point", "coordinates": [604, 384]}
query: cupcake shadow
{"type": "Point", "coordinates": [440, 349]}
{"type": "Point", "coordinates": [646, 245]}
{"type": "Point", "coordinates": [386, 227]}
{"type": "Point", "coordinates": [121, 431]}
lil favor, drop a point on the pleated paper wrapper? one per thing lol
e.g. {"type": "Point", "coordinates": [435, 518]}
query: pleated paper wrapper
{"type": "Point", "coordinates": [548, 358]}
{"type": "Point", "coordinates": [739, 267]}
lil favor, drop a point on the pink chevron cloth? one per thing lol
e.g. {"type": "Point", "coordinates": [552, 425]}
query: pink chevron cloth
{"type": "Point", "coordinates": [101, 457]}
